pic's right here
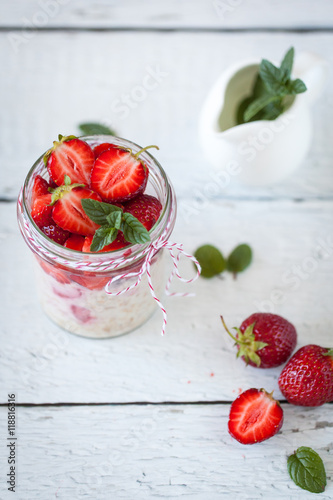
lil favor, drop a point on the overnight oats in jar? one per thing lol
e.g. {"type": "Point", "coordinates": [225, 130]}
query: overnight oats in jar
{"type": "Point", "coordinates": [96, 212]}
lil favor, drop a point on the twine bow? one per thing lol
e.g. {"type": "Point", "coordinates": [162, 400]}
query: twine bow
{"type": "Point", "coordinates": [146, 267]}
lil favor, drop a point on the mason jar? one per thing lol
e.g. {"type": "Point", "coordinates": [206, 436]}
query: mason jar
{"type": "Point", "coordinates": [100, 295]}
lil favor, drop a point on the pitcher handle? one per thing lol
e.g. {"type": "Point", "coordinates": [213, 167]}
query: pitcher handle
{"type": "Point", "coordinates": [314, 71]}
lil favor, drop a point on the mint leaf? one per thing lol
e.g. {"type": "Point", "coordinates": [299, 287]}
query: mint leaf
{"type": "Point", "coordinates": [307, 470]}
{"type": "Point", "coordinates": [103, 236]}
{"type": "Point", "coordinates": [258, 105]}
{"type": "Point", "coordinates": [287, 65]}
{"type": "Point", "coordinates": [271, 76]}
{"type": "Point", "coordinates": [296, 86]}
{"type": "Point", "coordinates": [211, 261]}
{"type": "Point", "coordinates": [98, 211]}
{"type": "Point", "coordinates": [239, 259]}
{"type": "Point", "coordinates": [95, 129]}
{"type": "Point", "coordinates": [133, 230]}
{"type": "Point", "coordinates": [114, 219]}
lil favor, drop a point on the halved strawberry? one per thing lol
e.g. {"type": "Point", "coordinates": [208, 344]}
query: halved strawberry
{"type": "Point", "coordinates": [70, 156]}
{"type": "Point", "coordinates": [75, 242]}
{"type": "Point", "coordinates": [39, 188]}
{"type": "Point", "coordinates": [68, 212]}
{"type": "Point", "coordinates": [56, 233]}
{"type": "Point", "coordinates": [117, 244]}
{"type": "Point", "coordinates": [119, 175]}
{"type": "Point", "coordinates": [254, 416]}
{"type": "Point", "coordinates": [145, 208]}
{"type": "Point", "coordinates": [41, 211]}
{"type": "Point", "coordinates": [103, 147]}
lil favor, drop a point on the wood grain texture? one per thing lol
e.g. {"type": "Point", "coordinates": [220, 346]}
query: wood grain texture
{"type": "Point", "coordinates": [218, 14]}
{"type": "Point", "coordinates": [159, 452]}
{"type": "Point", "coordinates": [291, 275]}
{"type": "Point", "coordinates": [55, 81]}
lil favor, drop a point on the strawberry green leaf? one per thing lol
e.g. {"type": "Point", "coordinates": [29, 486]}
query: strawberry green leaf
{"type": "Point", "coordinates": [211, 261]}
{"type": "Point", "coordinates": [98, 211]}
{"type": "Point", "coordinates": [95, 129]}
{"type": "Point", "coordinates": [287, 65]}
{"type": "Point", "coordinates": [307, 470]}
{"type": "Point", "coordinates": [67, 180]}
{"type": "Point", "coordinates": [103, 236]}
{"type": "Point", "coordinates": [133, 230]}
{"type": "Point", "coordinates": [239, 259]}
{"type": "Point", "coordinates": [114, 219]}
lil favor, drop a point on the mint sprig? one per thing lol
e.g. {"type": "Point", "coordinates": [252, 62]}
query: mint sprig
{"type": "Point", "coordinates": [307, 470]}
{"type": "Point", "coordinates": [273, 91]}
{"type": "Point", "coordinates": [92, 128]}
{"type": "Point", "coordinates": [113, 219]}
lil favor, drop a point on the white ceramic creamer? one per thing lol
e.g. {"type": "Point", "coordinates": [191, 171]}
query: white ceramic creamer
{"type": "Point", "coordinates": [265, 151]}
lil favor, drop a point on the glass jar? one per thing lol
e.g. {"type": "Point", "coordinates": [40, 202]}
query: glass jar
{"type": "Point", "coordinates": [73, 285]}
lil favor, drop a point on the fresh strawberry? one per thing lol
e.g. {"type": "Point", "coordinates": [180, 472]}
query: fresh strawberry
{"type": "Point", "coordinates": [254, 417]}
{"type": "Point", "coordinates": [42, 211]}
{"type": "Point", "coordinates": [68, 212]}
{"type": "Point", "coordinates": [117, 244]}
{"type": "Point", "coordinates": [265, 340]}
{"type": "Point", "coordinates": [307, 378]}
{"type": "Point", "coordinates": [90, 280]}
{"type": "Point", "coordinates": [70, 156]}
{"type": "Point", "coordinates": [56, 233]}
{"type": "Point", "coordinates": [40, 187]}
{"type": "Point", "coordinates": [75, 242]}
{"type": "Point", "coordinates": [54, 271]}
{"type": "Point", "coordinates": [145, 208]}
{"type": "Point", "coordinates": [119, 175]}
{"type": "Point", "coordinates": [82, 314]}
{"type": "Point", "coordinates": [103, 147]}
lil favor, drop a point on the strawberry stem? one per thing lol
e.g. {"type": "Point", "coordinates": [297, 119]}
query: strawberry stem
{"type": "Point", "coordinates": [144, 149]}
{"type": "Point", "coordinates": [226, 329]}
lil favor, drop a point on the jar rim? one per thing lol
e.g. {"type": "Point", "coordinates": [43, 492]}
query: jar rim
{"type": "Point", "coordinates": [161, 228]}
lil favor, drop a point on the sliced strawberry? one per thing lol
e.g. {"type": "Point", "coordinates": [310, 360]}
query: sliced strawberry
{"type": "Point", "coordinates": [103, 147]}
{"type": "Point", "coordinates": [89, 280]}
{"type": "Point", "coordinates": [118, 175]}
{"type": "Point", "coordinates": [75, 242]}
{"type": "Point", "coordinates": [40, 187]}
{"type": "Point", "coordinates": [254, 416]}
{"type": "Point", "coordinates": [68, 212]}
{"type": "Point", "coordinates": [82, 314]}
{"type": "Point", "coordinates": [73, 157]}
{"type": "Point", "coordinates": [117, 244]}
{"type": "Point", "coordinates": [54, 271]}
{"type": "Point", "coordinates": [42, 211]}
{"type": "Point", "coordinates": [145, 208]}
{"type": "Point", "coordinates": [56, 233]}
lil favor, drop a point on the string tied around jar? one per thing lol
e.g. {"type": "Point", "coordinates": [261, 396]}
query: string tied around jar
{"type": "Point", "coordinates": [154, 247]}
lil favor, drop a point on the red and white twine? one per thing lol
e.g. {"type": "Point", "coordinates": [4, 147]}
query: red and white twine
{"type": "Point", "coordinates": [147, 253]}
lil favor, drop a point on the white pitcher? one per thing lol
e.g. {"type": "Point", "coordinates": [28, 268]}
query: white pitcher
{"type": "Point", "coordinates": [265, 151]}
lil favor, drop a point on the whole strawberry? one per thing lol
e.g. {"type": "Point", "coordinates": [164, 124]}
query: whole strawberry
{"type": "Point", "coordinates": [145, 208]}
{"type": "Point", "coordinates": [307, 378]}
{"type": "Point", "coordinates": [264, 340]}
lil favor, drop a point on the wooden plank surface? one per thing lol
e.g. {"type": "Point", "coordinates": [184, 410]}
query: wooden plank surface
{"type": "Point", "coordinates": [56, 80]}
{"type": "Point", "coordinates": [291, 275]}
{"type": "Point", "coordinates": [216, 14]}
{"type": "Point", "coordinates": [158, 452]}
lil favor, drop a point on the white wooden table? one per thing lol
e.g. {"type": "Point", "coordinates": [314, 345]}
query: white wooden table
{"type": "Point", "coordinates": [143, 416]}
